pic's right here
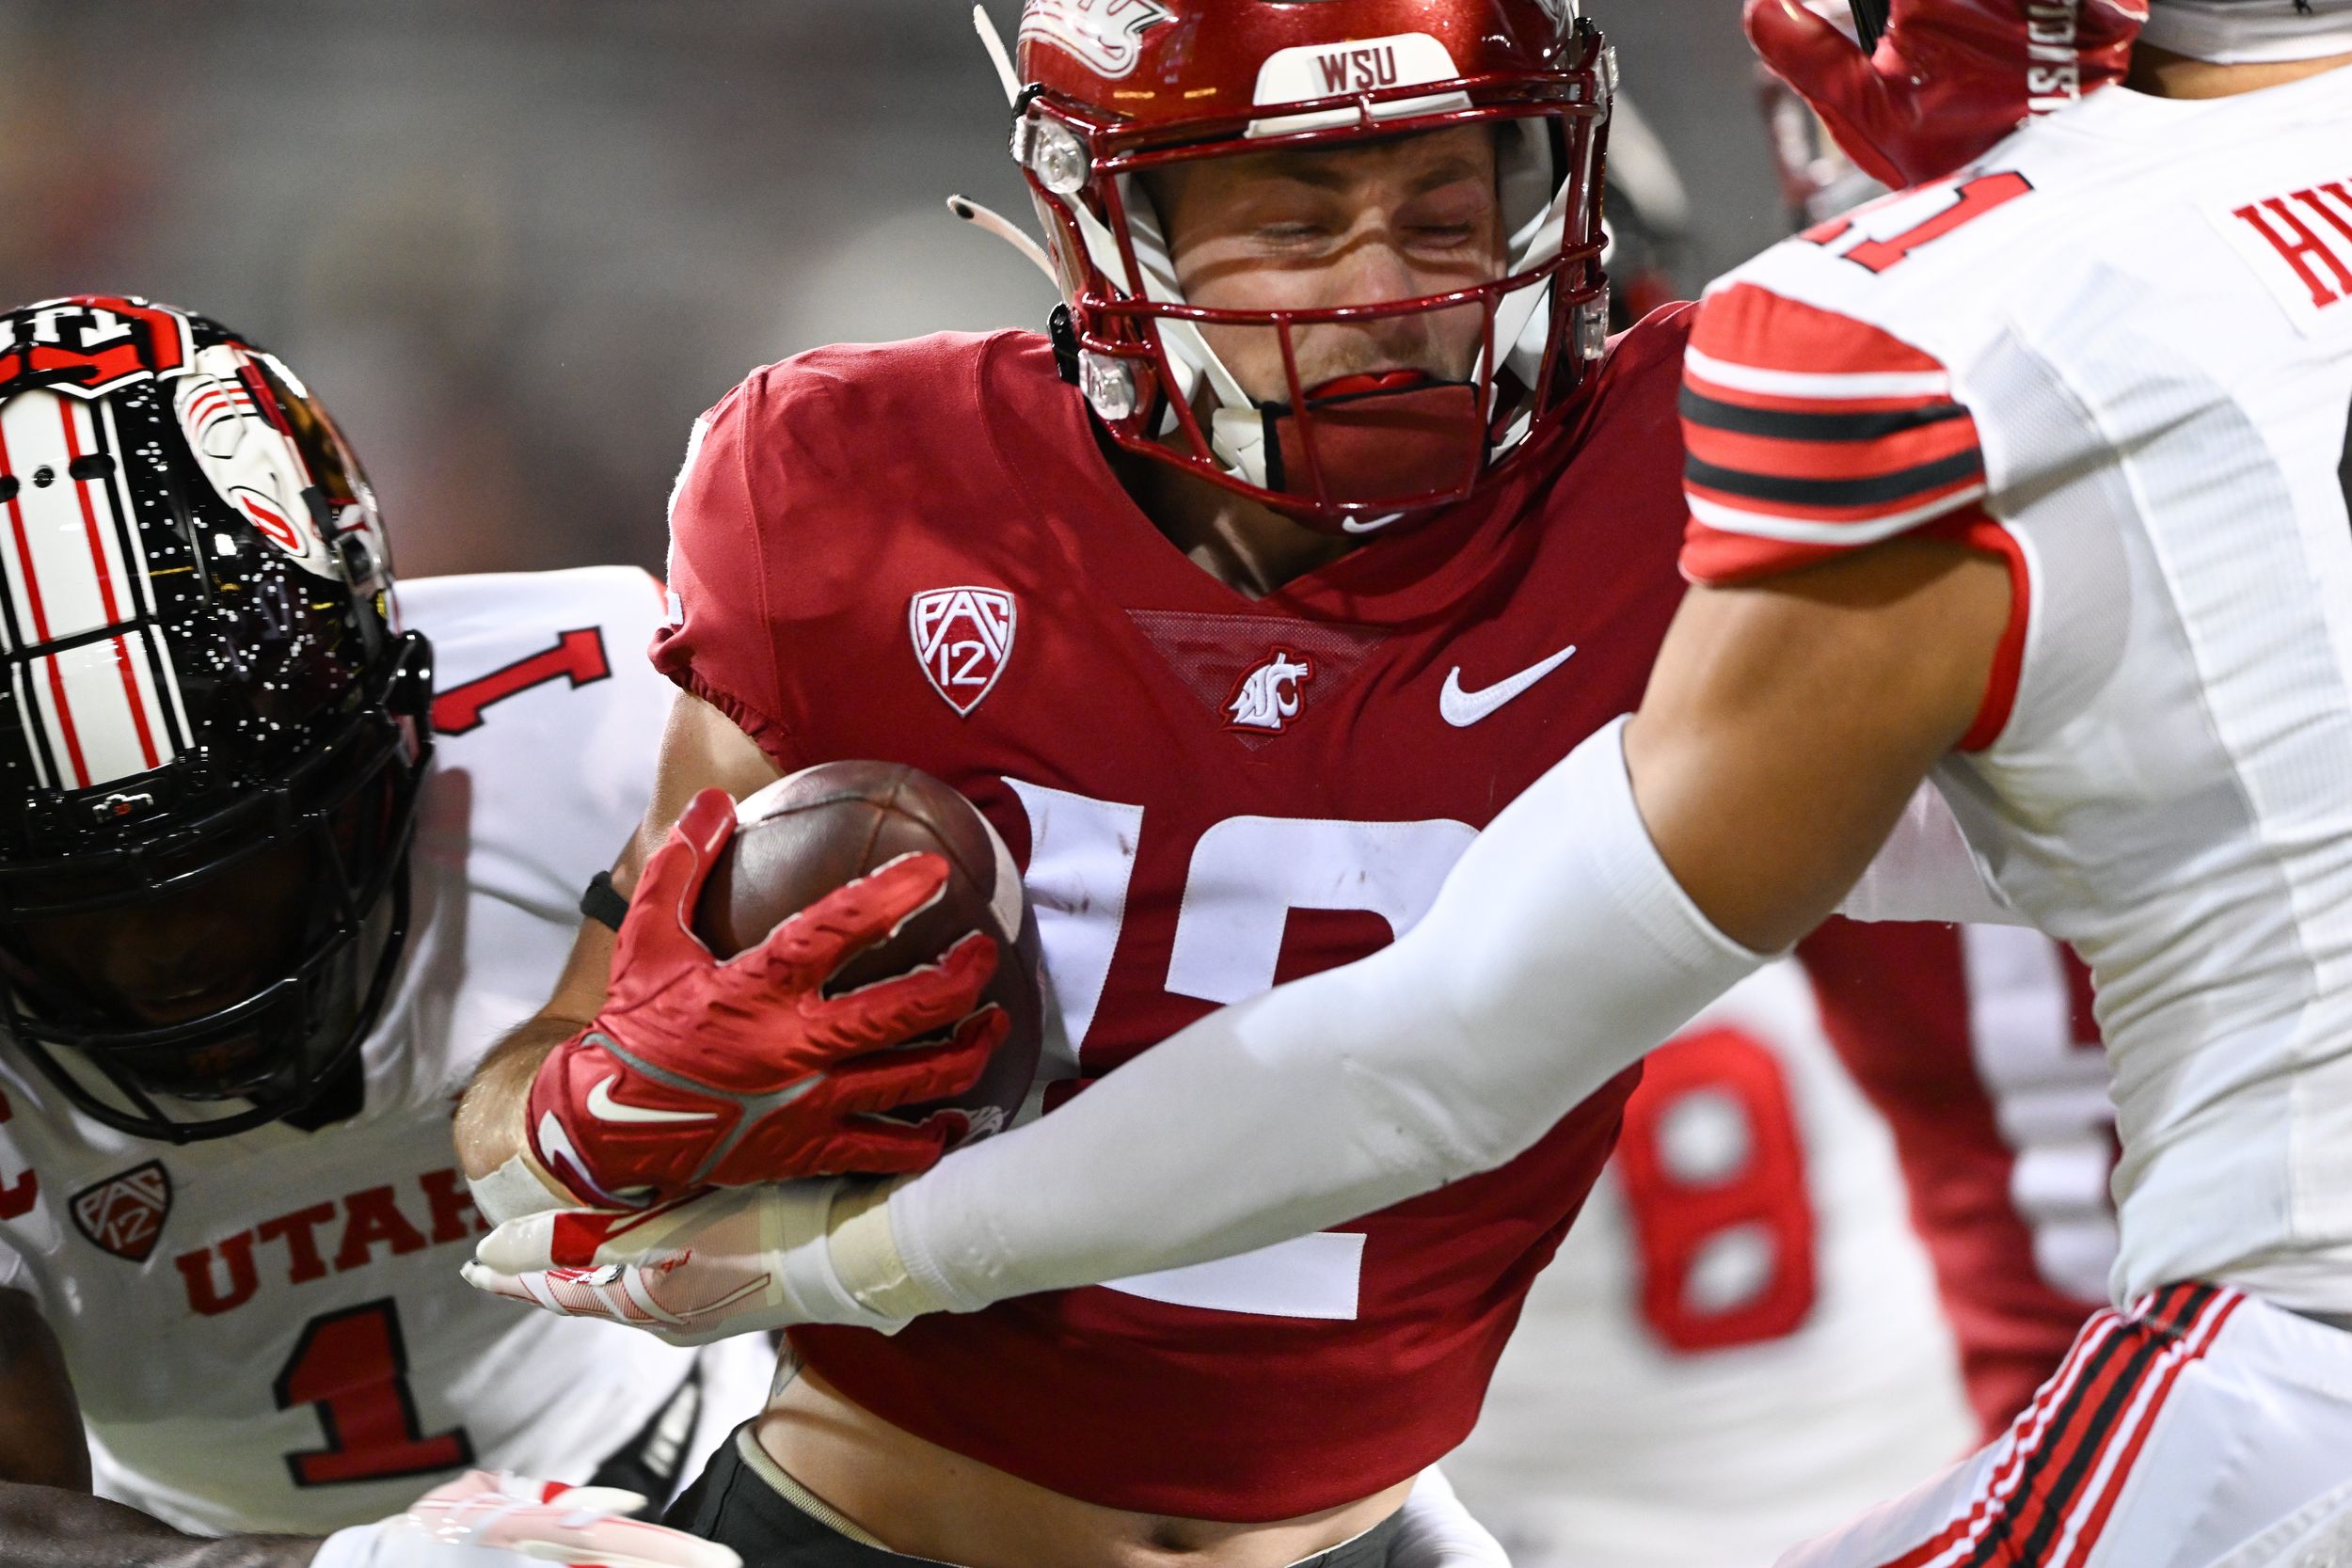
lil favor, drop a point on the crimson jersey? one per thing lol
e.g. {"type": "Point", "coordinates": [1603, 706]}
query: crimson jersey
{"type": "Point", "coordinates": [1978, 1046]}
{"type": "Point", "coordinates": [917, 552]}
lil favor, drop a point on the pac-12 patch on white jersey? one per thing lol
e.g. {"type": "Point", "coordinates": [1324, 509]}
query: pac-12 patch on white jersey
{"type": "Point", "coordinates": [2119, 351]}
{"type": "Point", "coordinates": [267, 1332]}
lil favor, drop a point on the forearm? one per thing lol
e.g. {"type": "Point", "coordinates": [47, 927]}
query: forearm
{"type": "Point", "coordinates": [1557, 955]}
{"type": "Point", "coordinates": [489, 1128]}
{"type": "Point", "coordinates": [47, 1527]}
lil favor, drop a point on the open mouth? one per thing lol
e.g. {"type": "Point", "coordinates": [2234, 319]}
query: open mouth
{"type": "Point", "coordinates": [1369, 384]}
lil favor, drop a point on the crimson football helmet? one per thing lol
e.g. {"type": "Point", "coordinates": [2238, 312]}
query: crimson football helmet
{"type": "Point", "coordinates": [212, 732]}
{"type": "Point", "coordinates": [1114, 88]}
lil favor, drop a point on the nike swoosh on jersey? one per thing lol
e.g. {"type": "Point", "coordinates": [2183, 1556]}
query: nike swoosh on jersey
{"type": "Point", "coordinates": [1463, 708]}
{"type": "Point", "coordinates": [603, 1106]}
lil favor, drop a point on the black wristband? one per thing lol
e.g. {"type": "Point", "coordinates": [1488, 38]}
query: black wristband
{"type": "Point", "coordinates": [603, 902]}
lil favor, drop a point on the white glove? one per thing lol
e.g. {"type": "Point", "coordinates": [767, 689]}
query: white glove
{"type": "Point", "coordinates": [487, 1521]}
{"type": "Point", "coordinates": [1436, 1531]}
{"type": "Point", "coordinates": [738, 1260]}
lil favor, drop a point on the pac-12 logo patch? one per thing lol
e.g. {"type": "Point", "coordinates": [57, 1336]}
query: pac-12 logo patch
{"type": "Point", "coordinates": [125, 1213]}
{"type": "Point", "coordinates": [962, 637]}
{"type": "Point", "coordinates": [1266, 699]}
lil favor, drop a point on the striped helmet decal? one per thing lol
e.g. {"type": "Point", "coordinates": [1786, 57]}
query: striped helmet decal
{"type": "Point", "coordinates": [100, 697]}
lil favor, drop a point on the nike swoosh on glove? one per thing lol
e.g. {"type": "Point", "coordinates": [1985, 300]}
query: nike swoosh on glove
{"type": "Point", "coordinates": [487, 1521]}
{"type": "Point", "coordinates": [702, 1072]}
{"type": "Point", "coordinates": [1950, 79]}
{"type": "Point", "coordinates": [738, 1260]}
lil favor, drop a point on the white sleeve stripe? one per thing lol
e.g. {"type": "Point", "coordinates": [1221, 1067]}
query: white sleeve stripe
{"type": "Point", "coordinates": [1797, 383]}
{"type": "Point", "coordinates": [1792, 530]}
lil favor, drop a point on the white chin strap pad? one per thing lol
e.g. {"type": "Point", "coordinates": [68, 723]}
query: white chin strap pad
{"type": "Point", "coordinates": [2250, 32]}
{"type": "Point", "coordinates": [1238, 437]}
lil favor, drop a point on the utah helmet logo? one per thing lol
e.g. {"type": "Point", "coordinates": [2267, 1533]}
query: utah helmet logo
{"type": "Point", "coordinates": [92, 345]}
{"type": "Point", "coordinates": [962, 637]}
{"type": "Point", "coordinates": [1266, 699]}
{"type": "Point", "coordinates": [125, 1213]}
{"type": "Point", "coordinates": [1107, 35]}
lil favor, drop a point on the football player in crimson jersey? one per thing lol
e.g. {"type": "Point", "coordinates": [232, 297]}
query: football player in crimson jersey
{"type": "Point", "coordinates": [1344, 437]}
{"type": "Point", "coordinates": [1360, 521]}
{"type": "Point", "coordinates": [257, 927]}
{"type": "Point", "coordinates": [1970, 495]}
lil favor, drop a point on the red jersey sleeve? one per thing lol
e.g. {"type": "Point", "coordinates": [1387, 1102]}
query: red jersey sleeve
{"type": "Point", "coordinates": [720, 641]}
{"type": "Point", "coordinates": [1808, 433]}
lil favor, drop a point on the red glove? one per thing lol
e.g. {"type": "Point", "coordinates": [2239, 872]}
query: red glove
{"type": "Point", "coordinates": [702, 1072]}
{"type": "Point", "coordinates": [1950, 79]}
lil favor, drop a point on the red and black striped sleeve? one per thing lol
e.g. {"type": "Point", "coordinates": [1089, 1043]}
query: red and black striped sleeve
{"type": "Point", "coordinates": [1810, 433]}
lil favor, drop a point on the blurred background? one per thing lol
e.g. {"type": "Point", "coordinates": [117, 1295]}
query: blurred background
{"type": "Point", "coordinates": [517, 246]}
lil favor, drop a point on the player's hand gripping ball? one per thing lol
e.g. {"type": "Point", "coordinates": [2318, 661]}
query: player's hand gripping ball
{"type": "Point", "coordinates": [1948, 80]}
{"type": "Point", "coordinates": [809, 984]}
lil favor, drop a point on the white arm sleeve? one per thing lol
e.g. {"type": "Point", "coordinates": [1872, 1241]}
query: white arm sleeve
{"type": "Point", "coordinates": [1925, 871]}
{"type": "Point", "coordinates": [1559, 951]}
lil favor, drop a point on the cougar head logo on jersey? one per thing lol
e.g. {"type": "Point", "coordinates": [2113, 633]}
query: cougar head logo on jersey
{"type": "Point", "coordinates": [1105, 34]}
{"type": "Point", "coordinates": [962, 637]}
{"type": "Point", "coordinates": [1266, 699]}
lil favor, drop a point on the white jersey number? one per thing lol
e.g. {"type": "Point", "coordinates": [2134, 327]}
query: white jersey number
{"type": "Point", "coordinates": [1247, 876]}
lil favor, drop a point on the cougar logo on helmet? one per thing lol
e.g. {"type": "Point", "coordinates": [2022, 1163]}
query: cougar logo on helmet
{"type": "Point", "coordinates": [1107, 35]}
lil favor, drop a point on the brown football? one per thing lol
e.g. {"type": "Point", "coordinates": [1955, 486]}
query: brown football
{"type": "Point", "coordinates": [824, 827]}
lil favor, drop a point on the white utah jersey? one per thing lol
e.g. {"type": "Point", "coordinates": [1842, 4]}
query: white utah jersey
{"type": "Point", "coordinates": [1740, 1344]}
{"type": "Point", "coordinates": [2119, 351]}
{"type": "Point", "coordinates": [267, 1332]}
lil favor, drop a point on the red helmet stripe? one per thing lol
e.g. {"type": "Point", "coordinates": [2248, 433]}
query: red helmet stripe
{"type": "Point", "coordinates": [63, 706]}
{"type": "Point", "coordinates": [105, 570]}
